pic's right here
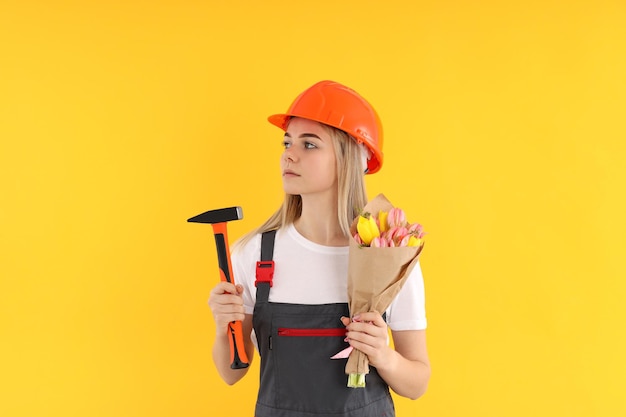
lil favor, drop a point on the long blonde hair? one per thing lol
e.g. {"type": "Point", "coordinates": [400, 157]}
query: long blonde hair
{"type": "Point", "coordinates": [351, 192]}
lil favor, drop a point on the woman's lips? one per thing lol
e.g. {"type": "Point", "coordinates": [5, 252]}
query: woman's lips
{"type": "Point", "coordinates": [289, 173]}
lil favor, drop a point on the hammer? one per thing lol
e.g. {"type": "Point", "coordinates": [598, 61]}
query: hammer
{"type": "Point", "coordinates": [217, 219]}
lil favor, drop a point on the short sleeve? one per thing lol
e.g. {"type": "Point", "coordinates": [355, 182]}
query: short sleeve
{"type": "Point", "coordinates": [408, 310]}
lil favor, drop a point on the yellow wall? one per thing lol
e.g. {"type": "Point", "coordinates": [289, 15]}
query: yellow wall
{"type": "Point", "coordinates": [505, 130]}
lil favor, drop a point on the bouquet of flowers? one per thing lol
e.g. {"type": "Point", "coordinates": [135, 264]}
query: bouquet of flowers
{"type": "Point", "coordinates": [384, 251]}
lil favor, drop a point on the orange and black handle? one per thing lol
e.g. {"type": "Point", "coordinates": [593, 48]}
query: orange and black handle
{"type": "Point", "coordinates": [238, 357]}
{"type": "Point", "coordinates": [217, 219]}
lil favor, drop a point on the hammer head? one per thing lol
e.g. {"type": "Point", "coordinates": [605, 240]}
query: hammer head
{"type": "Point", "coordinates": [218, 216]}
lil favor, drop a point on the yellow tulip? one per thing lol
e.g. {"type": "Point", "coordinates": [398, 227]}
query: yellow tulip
{"type": "Point", "coordinates": [382, 221]}
{"type": "Point", "coordinates": [367, 229]}
{"type": "Point", "coordinates": [414, 241]}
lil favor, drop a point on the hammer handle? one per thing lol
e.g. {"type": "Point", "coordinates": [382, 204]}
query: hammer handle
{"type": "Point", "coordinates": [238, 357]}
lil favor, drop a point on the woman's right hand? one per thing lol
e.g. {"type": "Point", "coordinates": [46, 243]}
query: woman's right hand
{"type": "Point", "coordinates": [226, 304]}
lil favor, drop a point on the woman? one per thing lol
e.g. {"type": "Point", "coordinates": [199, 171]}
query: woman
{"type": "Point", "coordinates": [299, 319]}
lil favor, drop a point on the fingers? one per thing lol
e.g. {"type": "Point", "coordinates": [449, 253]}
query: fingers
{"type": "Point", "coordinates": [372, 317]}
{"type": "Point", "coordinates": [226, 303]}
{"type": "Point", "coordinates": [226, 287]}
{"type": "Point", "coordinates": [366, 331]}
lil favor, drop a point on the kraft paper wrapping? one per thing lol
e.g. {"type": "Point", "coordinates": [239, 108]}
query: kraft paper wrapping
{"type": "Point", "coordinates": [375, 276]}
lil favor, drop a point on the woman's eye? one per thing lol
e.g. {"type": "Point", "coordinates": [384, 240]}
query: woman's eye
{"type": "Point", "coordinates": [306, 145]}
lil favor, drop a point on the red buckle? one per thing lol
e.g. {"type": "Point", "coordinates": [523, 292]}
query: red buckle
{"type": "Point", "coordinates": [264, 272]}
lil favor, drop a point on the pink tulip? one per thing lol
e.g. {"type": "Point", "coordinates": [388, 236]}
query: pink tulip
{"type": "Point", "coordinates": [398, 234]}
{"type": "Point", "coordinates": [396, 217]}
{"type": "Point", "coordinates": [395, 232]}
{"type": "Point", "coordinates": [415, 228]}
{"type": "Point", "coordinates": [379, 242]}
{"type": "Point", "coordinates": [389, 233]}
{"type": "Point", "coordinates": [358, 239]}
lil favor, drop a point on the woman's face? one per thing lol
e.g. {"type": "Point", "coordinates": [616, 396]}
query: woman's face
{"type": "Point", "coordinates": [308, 163]}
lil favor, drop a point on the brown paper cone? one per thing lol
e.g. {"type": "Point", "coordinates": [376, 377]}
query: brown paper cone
{"type": "Point", "coordinates": [375, 276]}
{"type": "Point", "coordinates": [358, 363]}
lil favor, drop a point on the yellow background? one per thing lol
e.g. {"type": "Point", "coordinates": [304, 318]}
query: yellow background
{"type": "Point", "coordinates": [505, 130]}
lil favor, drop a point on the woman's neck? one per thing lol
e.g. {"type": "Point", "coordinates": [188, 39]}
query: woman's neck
{"type": "Point", "coordinates": [319, 224]}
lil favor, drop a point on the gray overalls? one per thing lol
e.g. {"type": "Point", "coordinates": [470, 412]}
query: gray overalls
{"type": "Point", "coordinates": [296, 341]}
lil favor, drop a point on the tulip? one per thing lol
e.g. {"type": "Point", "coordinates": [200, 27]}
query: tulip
{"type": "Point", "coordinates": [367, 229]}
{"type": "Point", "coordinates": [391, 232]}
{"type": "Point", "coordinates": [382, 221]}
{"type": "Point", "coordinates": [396, 217]}
{"type": "Point", "coordinates": [358, 239]}
{"type": "Point", "coordinates": [414, 241]}
{"type": "Point", "coordinates": [379, 242]}
{"type": "Point", "coordinates": [415, 228]}
{"type": "Point", "coordinates": [397, 234]}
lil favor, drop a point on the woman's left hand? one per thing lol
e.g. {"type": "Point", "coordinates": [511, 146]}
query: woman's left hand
{"type": "Point", "coordinates": [367, 332]}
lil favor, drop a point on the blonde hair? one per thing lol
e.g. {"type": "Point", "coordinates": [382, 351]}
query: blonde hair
{"type": "Point", "coordinates": [351, 193]}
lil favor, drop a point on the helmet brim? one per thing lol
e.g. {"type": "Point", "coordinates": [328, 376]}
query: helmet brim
{"type": "Point", "coordinates": [279, 120]}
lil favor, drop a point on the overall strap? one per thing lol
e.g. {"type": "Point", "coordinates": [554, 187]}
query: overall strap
{"type": "Point", "coordinates": [265, 267]}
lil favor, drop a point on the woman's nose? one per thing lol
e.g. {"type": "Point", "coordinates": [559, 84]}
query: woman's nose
{"type": "Point", "coordinates": [290, 155]}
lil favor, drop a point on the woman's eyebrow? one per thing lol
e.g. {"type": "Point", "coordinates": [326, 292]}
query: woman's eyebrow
{"type": "Point", "coordinates": [304, 135]}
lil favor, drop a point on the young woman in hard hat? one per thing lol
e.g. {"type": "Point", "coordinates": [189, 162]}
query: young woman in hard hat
{"type": "Point", "coordinates": [297, 319]}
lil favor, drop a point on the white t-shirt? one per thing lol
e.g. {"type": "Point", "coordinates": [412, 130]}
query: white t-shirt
{"type": "Point", "coordinates": [309, 273]}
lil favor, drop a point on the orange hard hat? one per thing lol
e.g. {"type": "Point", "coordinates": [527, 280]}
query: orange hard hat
{"type": "Point", "coordinates": [341, 107]}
